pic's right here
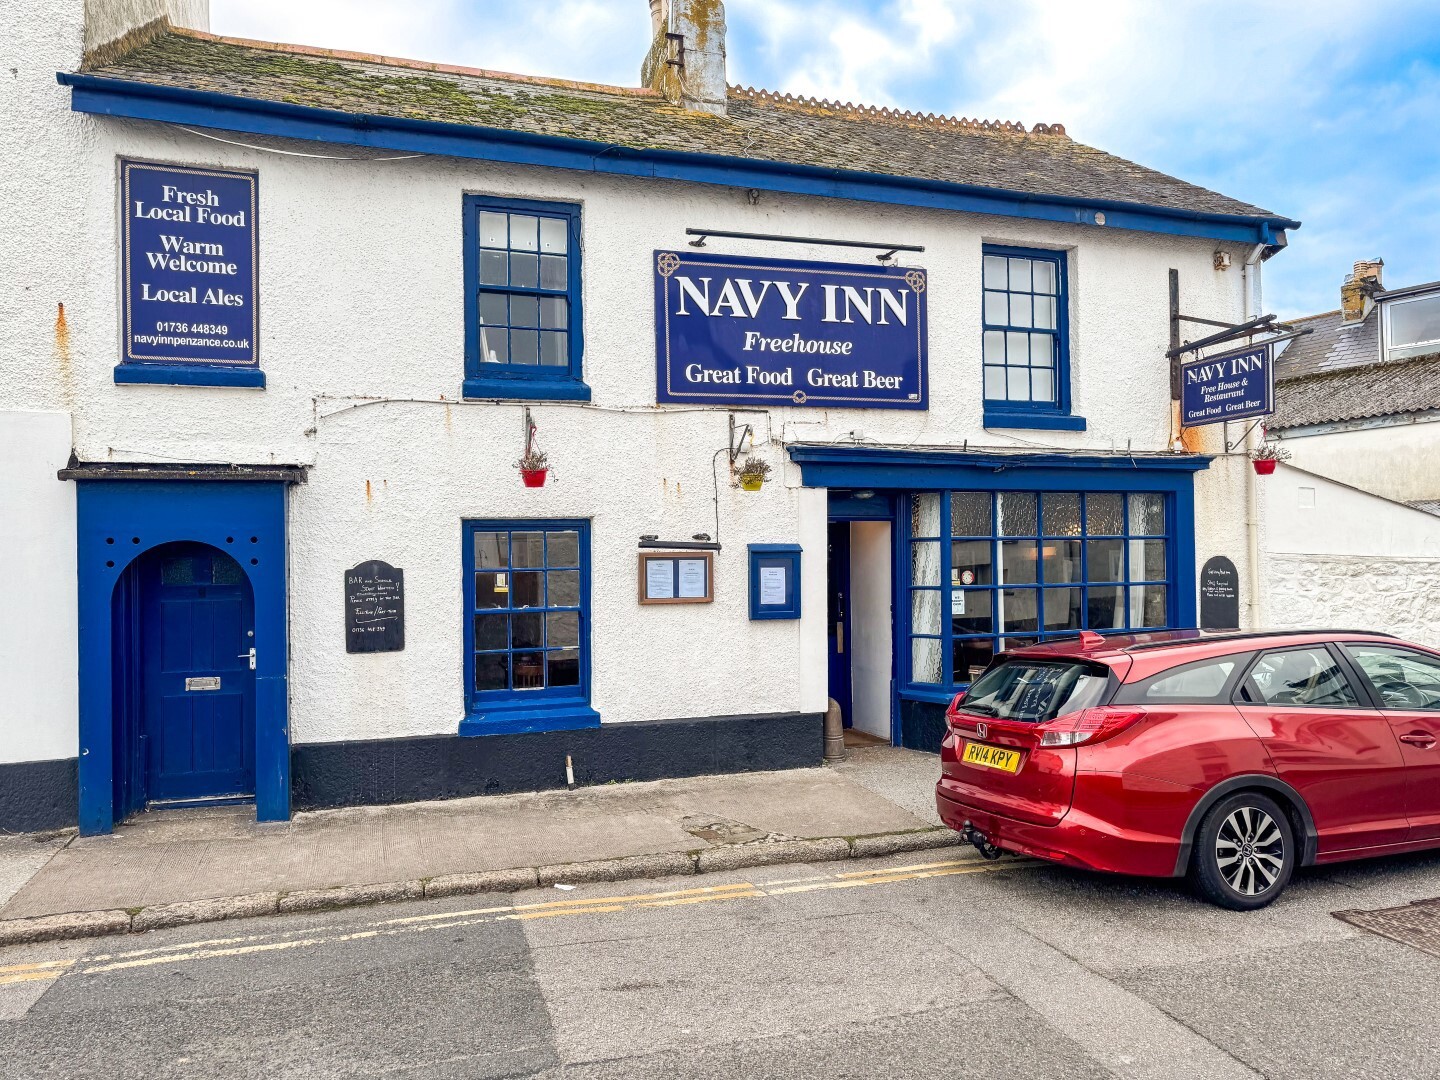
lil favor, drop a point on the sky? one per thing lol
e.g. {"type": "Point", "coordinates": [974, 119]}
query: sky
{"type": "Point", "coordinates": [1319, 110]}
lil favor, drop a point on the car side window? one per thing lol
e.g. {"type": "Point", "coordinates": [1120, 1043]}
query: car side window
{"type": "Point", "coordinates": [1298, 677]}
{"type": "Point", "coordinates": [1197, 683]}
{"type": "Point", "coordinates": [1403, 678]}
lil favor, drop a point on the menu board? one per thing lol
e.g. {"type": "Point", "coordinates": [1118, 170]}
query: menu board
{"type": "Point", "coordinates": [374, 608]}
{"type": "Point", "coordinates": [673, 577]}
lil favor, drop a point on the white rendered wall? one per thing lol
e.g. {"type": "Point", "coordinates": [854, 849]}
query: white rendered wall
{"type": "Point", "coordinates": [1398, 461]}
{"type": "Point", "coordinates": [361, 292]}
{"type": "Point", "coordinates": [37, 547]}
{"type": "Point", "coordinates": [1343, 558]}
{"type": "Point", "coordinates": [871, 644]}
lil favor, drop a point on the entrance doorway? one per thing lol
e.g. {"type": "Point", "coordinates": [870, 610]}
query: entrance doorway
{"type": "Point", "coordinates": [860, 618]}
{"type": "Point", "coordinates": [188, 736]}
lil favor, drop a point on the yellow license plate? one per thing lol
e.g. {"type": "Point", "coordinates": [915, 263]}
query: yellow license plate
{"type": "Point", "coordinates": [991, 757]}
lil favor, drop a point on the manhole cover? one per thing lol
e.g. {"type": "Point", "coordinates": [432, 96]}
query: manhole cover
{"type": "Point", "coordinates": [1416, 925]}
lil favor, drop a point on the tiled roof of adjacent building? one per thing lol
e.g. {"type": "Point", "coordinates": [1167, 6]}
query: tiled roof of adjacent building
{"type": "Point", "coordinates": [1331, 346]}
{"type": "Point", "coordinates": [759, 125]}
{"type": "Point", "coordinates": [1357, 392]}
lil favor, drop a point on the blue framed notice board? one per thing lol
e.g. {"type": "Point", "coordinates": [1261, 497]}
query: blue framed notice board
{"type": "Point", "coordinates": [774, 581]}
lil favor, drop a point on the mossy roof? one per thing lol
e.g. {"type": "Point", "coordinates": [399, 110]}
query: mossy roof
{"type": "Point", "coordinates": [758, 126]}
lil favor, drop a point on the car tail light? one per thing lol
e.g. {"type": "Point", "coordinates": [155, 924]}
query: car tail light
{"type": "Point", "coordinates": [1087, 726]}
{"type": "Point", "coordinates": [955, 704]}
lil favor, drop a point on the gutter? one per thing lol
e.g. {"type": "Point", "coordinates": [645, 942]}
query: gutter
{"type": "Point", "coordinates": [180, 105]}
{"type": "Point", "coordinates": [1250, 283]}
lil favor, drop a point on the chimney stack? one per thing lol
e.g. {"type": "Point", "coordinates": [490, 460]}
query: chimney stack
{"type": "Point", "coordinates": [1356, 295]}
{"type": "Point", "coordinates": [686, 62]}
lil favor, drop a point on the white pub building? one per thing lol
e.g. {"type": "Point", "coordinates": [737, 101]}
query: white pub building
{"type": "Point", "coordinates": [277, 323]}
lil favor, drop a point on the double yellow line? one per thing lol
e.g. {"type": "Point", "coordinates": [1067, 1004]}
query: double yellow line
{"type": "Point", "coordinates": [320, 935]}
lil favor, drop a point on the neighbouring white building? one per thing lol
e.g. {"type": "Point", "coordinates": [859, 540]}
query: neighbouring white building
{"type": "Point", "coordinates": [1352, 536]}
{"type": "Point", "coordinates": [276, 322]}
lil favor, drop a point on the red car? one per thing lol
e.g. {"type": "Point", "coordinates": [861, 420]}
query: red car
{"type": "Point", "coordinates": [1229, 758]}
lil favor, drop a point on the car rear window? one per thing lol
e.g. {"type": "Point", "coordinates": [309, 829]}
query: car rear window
{"type": "Point", "coordinates": [1033, 691]}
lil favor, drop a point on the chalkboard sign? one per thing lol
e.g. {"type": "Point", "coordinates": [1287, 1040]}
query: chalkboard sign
{"type": "Point", "coordinates": [1219, 595]}
{"type": "Point", "coordinates": [374, 608]}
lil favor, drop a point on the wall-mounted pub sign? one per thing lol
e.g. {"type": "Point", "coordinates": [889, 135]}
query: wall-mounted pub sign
{"type": "Point", "coordinates": [189, 266]}
{"type": "Point", "coordinates": [1231, 386]}
{"type": "Point", "coordinates": [747, 331]}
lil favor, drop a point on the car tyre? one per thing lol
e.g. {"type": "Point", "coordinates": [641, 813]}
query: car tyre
{"type": "Point", "coordinates": [1244, 852]}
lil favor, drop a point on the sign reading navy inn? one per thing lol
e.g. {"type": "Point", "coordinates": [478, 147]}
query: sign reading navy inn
{"type": "Point", "coordinates": [1232, 386]}
{"type": "Point", "coordinates": [747, 331]}
{"type": "Point", "coordinates": [189, 266]}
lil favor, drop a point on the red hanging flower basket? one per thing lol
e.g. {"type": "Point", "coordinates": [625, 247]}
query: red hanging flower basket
{"type": "Point", "coordinates": [1264, 466]}
{"type": "Point", "coordinates": [534, 477]}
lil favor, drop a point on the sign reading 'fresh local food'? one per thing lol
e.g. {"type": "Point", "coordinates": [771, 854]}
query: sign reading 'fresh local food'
{"type": "Point", "coordinates": [189, 265]}
{"type": "Point", "coordinates": [1232, 386]}
{"type": "Point", "coordinates": [745, 331]}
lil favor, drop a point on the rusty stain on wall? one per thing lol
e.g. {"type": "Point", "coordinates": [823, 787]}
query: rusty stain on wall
{"type": "Point", "coordinates": [63, 361]}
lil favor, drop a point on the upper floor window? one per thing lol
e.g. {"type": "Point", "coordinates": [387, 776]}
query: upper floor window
{"type": "Point", "coordinates": [1412, 327]}
{"type": "Point", "coordinates": [1025, 347]}
{"type": "Point", "coordinates": [522, 300]}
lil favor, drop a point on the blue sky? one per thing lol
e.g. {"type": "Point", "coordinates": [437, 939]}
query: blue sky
{"type": "Point", "coordinates": [1320, 110]}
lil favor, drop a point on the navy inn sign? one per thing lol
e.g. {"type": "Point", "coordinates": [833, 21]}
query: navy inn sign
{"type": "Point", "coordinates": [746, 331]}
{"type": "Point", "coordinates": [190, 266]}
{"type": "Point", "coordinates": [1231, 386]}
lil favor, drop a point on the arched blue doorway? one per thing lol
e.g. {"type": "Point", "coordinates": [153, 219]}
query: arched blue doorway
{"type": "Point", "coordinates": [132, 519]}
{"type": "Point", "coordinates": [184, 644]}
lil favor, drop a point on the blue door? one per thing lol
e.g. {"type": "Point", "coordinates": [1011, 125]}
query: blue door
{"type": "Point", "coordinates": [197, 631]}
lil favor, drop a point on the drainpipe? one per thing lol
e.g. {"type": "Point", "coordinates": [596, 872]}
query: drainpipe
{"type": "Point", "coordinates": [1250, 283]}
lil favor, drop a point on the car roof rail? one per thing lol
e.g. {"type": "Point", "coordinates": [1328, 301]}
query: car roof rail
{"type": "Point", "coordinates": [1244, 635]}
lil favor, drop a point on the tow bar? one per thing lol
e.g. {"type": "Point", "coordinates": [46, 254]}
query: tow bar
{"type": "Point", "coordinates": [987, 848]}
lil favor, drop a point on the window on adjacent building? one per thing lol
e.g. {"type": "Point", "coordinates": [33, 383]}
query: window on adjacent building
{"type": "Point", "coordinates": [527, 589]}
{"type": "Point", "coordinates": [522, 302]}
{"type": "Point", "coordinates": [1025, 344]}
{"type": "Point", "coordinates": [997, 570]}
{"type": "Point", "coordinates": [1412, 327]}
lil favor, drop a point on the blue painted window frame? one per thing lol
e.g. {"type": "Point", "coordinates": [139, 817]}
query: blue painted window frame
{"type": "Point", "coordinates": [1047, 415]}
{"type": "Point", "coordinates": [494, 712]}
{"type": "Point", "coordinates": [1176, 606]}
{"type": "Point", "coordinates": [523, 381]}
{"type": "Point", "coordinates": [788, 556]}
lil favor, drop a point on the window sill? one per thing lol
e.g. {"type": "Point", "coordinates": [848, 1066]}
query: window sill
{"type": "Point", "coordinates": [936, 694]}
{"type": "Point", "coordinates": [512, 718]}
{"type": "Point", "coordinates": [185, 375]}
{"type": "Point", "coordinates": [555, 389]}
{"type": "Point", "coordinates": [1036, 421]}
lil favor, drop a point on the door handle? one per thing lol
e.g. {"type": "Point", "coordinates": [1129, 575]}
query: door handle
{"type": "Point", "coordinates": [1422, 739]}
{"type": "Point", "coordinates": [251, 657]}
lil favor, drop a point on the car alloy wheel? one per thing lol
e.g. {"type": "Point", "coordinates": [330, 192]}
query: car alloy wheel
{"type": "Point", "coordinates": [1244, 852]}
{"type": "Point", "coordinates": [1249, 851]}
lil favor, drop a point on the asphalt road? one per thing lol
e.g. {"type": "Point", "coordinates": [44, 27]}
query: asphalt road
{"type": "Point", "coordinates": [906, 967]}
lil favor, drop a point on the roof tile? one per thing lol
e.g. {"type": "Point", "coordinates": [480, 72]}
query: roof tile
{"type": "Point", "coordinates": [759, 125]}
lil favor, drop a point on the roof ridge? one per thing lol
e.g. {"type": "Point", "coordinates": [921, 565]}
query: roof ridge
{"type": "Point", "coordinates": [880, 112]}
{"type": "Point", "coordinates": [414, 65]}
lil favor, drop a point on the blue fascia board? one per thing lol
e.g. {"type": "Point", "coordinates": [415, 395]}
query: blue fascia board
{"type": "Point", "coordinates": [178, 105]}
{"type": "Point", "coordinates": [863, 457]}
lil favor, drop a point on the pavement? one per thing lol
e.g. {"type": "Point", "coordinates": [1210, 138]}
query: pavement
{"type": "Point", "coordinates": [179, 867]}
{"type": "Point", "coordinates": [911, 965]}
